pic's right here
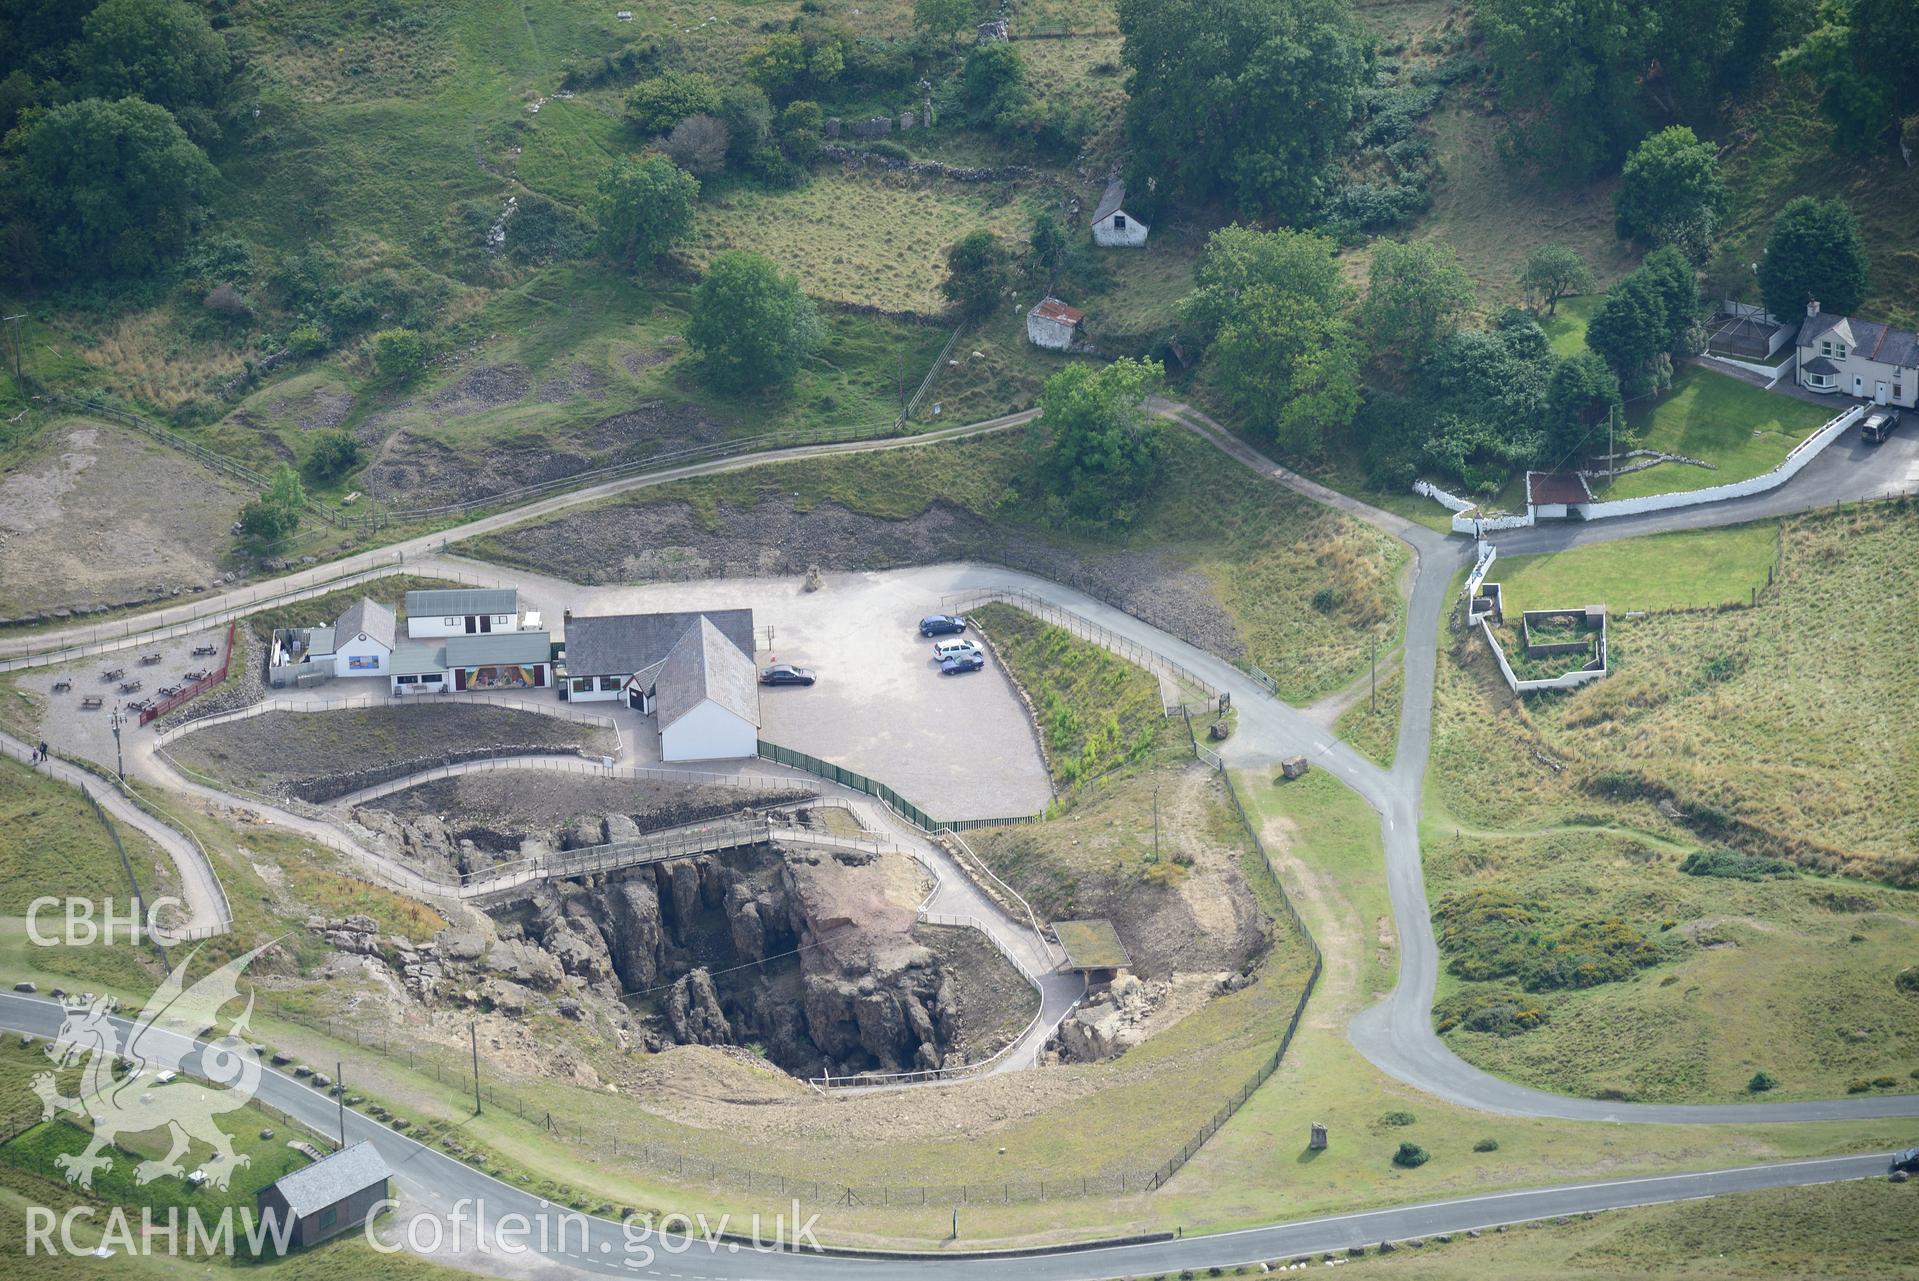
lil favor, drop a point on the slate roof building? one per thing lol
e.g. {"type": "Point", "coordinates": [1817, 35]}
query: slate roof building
{"type": "Point", "coordinates": [335, 1194]}
{"type": "Point", "coordinates": [462, 611]}
{"type": "Point", "coordinates": [363, 639]}
{"type": "Point", "coordinates": [1113, 227]}
{"type": "Point", "coordinates": [692, 669]}
{"type": "Point", "coordinates": [1852, 356]}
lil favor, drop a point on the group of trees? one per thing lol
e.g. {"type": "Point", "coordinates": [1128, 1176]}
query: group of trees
{"type": "Point", "coordinates": [105, 111]}
{"type": "Point", "coordinates": [1647, 319]}
{"type": "Point", "coordinates": [707, 130]}
{"type": "Point", "coordinates": [1243, 100]}
{"type": "Point", "coordinates": [1592, 75]}
{"type": "Point", "coordinates": [1270, 312]}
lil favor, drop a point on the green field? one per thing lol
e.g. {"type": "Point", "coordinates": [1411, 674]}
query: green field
{"type": "Point", "coordinates": [1682, 570]}
{"type": "Point", "coordinates": [1773, 732]}
{"type": "Point", "coordinates": [1740, 429]}
{"type": "Point", "coordinates": [1566, 326]}
{"type": "Point", "coordinates": [53, 843]}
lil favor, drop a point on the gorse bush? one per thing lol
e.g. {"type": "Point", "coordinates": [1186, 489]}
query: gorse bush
{"type": "Point", "coordinates": [1411, 1156]}
{"type": "Point", "coordinates": [1488, 934]}
{"type": "Point", "coordinates": [1734, 866]}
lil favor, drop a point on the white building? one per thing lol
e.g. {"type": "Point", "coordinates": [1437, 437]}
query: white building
{"type": "Point", "coordinates": [462, 611]}
{"type": "Point", "coordinates": [1847, 356]}
{"type": "Point", "coordinates": [1053, 325]}
{"type": "Point", "coordinates": [1552, 495]}
{"type": "Point", "coordinates": [361, 641]}
{"type": "Point", "coordinates": [707, 698]}
{"type": "Point", "coordinates": [500, 662]}
{"type": "Point", "coordinates": [1112, 225]}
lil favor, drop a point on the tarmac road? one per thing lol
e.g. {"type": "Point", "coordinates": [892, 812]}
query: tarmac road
{"type": "Point", "coordinates": [432, 1184]}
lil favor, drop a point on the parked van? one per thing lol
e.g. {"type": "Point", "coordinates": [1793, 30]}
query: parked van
{"type": "Point", "coordinates": [1878, 425]}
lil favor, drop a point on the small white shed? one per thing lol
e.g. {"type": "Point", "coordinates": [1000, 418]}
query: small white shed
{"type": "Point", "coordinates": [1053, 325]}
{"type": "Point", "coordinates": [1113, 227]}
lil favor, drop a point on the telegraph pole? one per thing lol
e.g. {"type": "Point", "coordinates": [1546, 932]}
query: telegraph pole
{"type": "Point", "coordinates": [1155, 825]}
{"type": "Point", "coordinates": [473, 1037]}
{"type": "Point", "coordinates": [119, 764]}
{"type": "Point", "coordinates": [339, 1083]}
{"type": "Point", "coordinates": [1375, 671]}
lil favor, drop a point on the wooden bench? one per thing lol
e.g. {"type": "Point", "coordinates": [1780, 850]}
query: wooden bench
{"type": "Point", "coordinates": [62, 685]}
{"type": "Point", "coordinates": [148, 660]}
{"type": "Point", "coordinates": [128, 687]}
{"type": "Point", "coordinates": [91, 703]}
{"type": "Point", "coordinates": [113, 673]}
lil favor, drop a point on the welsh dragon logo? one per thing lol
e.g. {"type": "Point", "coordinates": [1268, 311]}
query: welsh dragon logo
{"type": "Point", "coordinates": [162, 1038]}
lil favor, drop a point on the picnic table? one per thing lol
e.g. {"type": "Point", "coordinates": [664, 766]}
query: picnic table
{"type": "Point", "coordinates": [148, 660]}
{"type": "Point", "coordinates": [91, 703]}
{"type": "Point", "coordinates": [113, 673]}
{"type": "Point", "coordinates": [139, 705]}
{"type": "Point", "coordinates": [62, 685]}
{"type": "Point", "coordinates": [197, 674]}
{"type": "Point", "coordinates": [205, 651]}
{"type": "Point", "coordinates": [127, 687]}
{"type": "Point", "coordinates": [168, 691]}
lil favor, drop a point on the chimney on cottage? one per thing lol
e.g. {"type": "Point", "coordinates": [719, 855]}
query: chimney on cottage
{"type": "Point", "coordinates": [1812, 307]}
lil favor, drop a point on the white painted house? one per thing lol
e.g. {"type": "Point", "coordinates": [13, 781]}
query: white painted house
{"type": "Point", "coordinates": [1848, 356]}
{"type": "Point", "coordinates": [1053, 325]}
{"type": "Point", "coordinates": [462, 611]}
{"type": "Point", "coordinates": [362, 639]}
{"type": "Point", "coordinates": [707, 698]}
{"type": "Point", "coordinates": [1113, 227]}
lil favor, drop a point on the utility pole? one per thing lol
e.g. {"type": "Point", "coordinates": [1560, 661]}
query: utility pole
{"type": "Point", "coordinates": [1375, 671]}
{"type": "Point", "coordinates": [339, 1083]}
{"type": "Point", "coordinates": [1612, 461]}
{"type": "Point", "coordinates": [1155, 828]}
{"type": "Point", "coordinates": [119, 764]}
{"type": "Point", "coordinates": [473, 1037]}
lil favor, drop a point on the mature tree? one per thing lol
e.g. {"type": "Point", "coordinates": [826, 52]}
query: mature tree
{"type": "Point", "coordinates": [1580, 397]}
{"type": "Point", "coordinates": [1047, 245]}
{"type": "Point", "coordinates": [35, 35]}
{"type": "Point", "coordinates": [748, 118]}
{"type": "Point", "coordinates": [977, 274]}
{"type": "Point", "coordinates": [1670, 192]}
{"type": "Point", "coordinates": [802, 131]}
{"type": "Point", "coordinates": [1677, 282]}
{"type": "Point", "coordinates": [993, 82]}
{"type": "Point", "coordinates": [643, 207]}
{"type": "Point", "coordinates": [335, 453]}
{"type": "Point", "coordinates": [656, 104]}
{"type": "Point", "coordinates": [112, 187]}
{"type": "Point", "coordinates": [751, 325]}
{"type": "Point", "coordinates": [276, 513]}
{"type": "Point", "coordinates": [1101, 449]}
{"type": "Point", "coordinates": [944, 18]}
{"type": "Point", "coordinates": [1269, 308]}
{"type": "Point", "coordinates": [1553, 272]}
{"type": "Point", "coordinates": [160, 50]}
{"type": "Point", "coordinates": [1416, 291]}
{"type": "Point", "coordinates": [399, 353]}
{"type": "Point", "coordinates": [1237, 259]}
{"type": "Point", "coordinates": [1247, 99]}
{"type": "Point", "coordinates": [1813, 253]}
{"type": "Point", "coordinates": [698, 145]}
{"type": "Point", "coordinates": [1859, 55]}
{"type": "Point", "coordinates": [1645, 318]}
{"type": "Point", "coordinates": [789, 64]}
{"type": "Point", "coordinates": [1485, 389]}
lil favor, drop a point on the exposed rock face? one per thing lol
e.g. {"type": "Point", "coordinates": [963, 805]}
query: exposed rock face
{"type": "Point", "coordinates": [634, 934]}
{"type": "Point", "coordinates": [693, 1011]}
{"type": "Point", "coordinates": [1112, 1022]}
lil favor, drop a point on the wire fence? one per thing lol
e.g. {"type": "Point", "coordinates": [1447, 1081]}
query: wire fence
{"type": "Point", "coordinates": [215, 677]}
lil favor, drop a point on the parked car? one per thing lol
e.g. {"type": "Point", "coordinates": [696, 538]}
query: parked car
{"type": "Point", "coordinates": [950, 648]}
{"type": "Point", "coordinates": [787, 674]}
{"type": "Point", "coordinates": [942, 625]}
{"type": "Point", "coordinates": [1906, 1159]}
{"type": "Point", "coordinates": [1878, 425]}
{"type": "Point", "coordinates": [958, 663]}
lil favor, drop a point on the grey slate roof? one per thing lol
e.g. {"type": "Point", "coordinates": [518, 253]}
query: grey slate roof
{"type": "Point", "coordinates": [1820, 365]}
{"type": "Point", "coordinates": [622, 644]}
{"type": "Point", "coordinates": [1871, 340]}
{"type": "Point", "coordinates": [498, 647]}
{"type": "Point", "coordinates": [704, 664]}
{"type": "Point", "coordinates": [1110, 202]}
{"type": "Point", "coordinates": [319, 640]}
{"type": "Point", "coordinates": [332, 1179]}
{"type": "Point", "coordinates": [453, 602]}
{"type": "Point", "coordinates": [418, 658]}
{"type": "Point", "coordinates": [368, 616]}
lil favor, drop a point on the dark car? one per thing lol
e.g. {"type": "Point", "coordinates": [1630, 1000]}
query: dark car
{"type": "Point", "coordinates": [1906, 1159]}
{"type": "Point", "coordinates": [1879, 424]}
{"type": "Point", "coordinates": [787, 674]}
{"type": "Point", "coordinates": [958, 663]}
{"type": "Point", "coordinates": [942, 625]}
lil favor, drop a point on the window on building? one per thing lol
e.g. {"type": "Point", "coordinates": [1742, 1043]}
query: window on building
{"type": "Point", "coordinates": [611, 684]}
{"type": "Point", "coordinates": [1825, 347]}
{"type": "Point", "coordinates": [1818, 380]}
{"type": "Point", "coordinates": [329, 1216]}
{"type": "Point", "coordinates": [1839, 351]}
{"type": "Point", "coordinates": [1119, 222]}
{"type": "Point", "coordinates": [582, 684]}
{"type": "Point", "coordinates": [450, 622]}
{"type": "Point", "coordinates": [406, 680]}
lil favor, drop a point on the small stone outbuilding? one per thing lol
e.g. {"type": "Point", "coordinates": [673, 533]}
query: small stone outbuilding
{"type": "Point", "coordinates": [1053, 325]}
{"type": "Point", "coordinates": [1113, 227]}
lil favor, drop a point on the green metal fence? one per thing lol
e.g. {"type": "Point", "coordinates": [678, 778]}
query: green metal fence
{"type": "Point", "coordinates": [859, 782]}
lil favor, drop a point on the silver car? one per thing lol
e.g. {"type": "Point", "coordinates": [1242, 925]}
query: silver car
{"type": "Point", "coordinates": [954, 648]}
